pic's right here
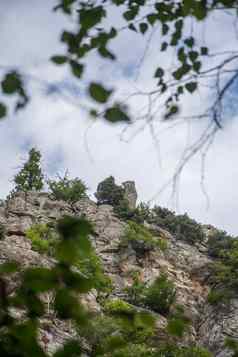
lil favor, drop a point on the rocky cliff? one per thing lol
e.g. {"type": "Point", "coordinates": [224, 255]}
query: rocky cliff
{"type": "Point", "coordinates": [186, 265]}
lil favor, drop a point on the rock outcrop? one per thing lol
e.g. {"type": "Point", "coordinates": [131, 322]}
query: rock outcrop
{"type": "Point", "coordinates": [187, 265]}
{"type": "Point", "coordinates": [130, 193]}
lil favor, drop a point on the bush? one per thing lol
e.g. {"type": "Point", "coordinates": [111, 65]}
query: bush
{"type": "Point", "coordinates": [140, 239]}
{"type": "Point", "coordinates": [160, 295]}
{"type": "Point", "coordinates": [136, 292]}
{"type": "Point", "coordinates": [43, 238]}
{"type": "Point", "coordinates": [178, 323]}
{"type": "Point", "coordinates": [91, 266]}
{"type": "Point", "coordinates": [219, 243]}
{"type": "Point", "coordinates": [65, 189]}
{"type": "Point", "coordinates": [183, 227]}
{"type": "Point", "coordinates": [109, 193]}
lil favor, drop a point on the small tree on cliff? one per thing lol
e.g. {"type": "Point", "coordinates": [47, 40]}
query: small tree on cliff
{"type": "Point", "coordinates": [109, 193]}
{"type": "Point", "coordinates": [30, 177]}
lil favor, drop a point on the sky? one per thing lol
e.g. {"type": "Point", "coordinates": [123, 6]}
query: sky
{"type": "Point", "coordinates": [93, 150]}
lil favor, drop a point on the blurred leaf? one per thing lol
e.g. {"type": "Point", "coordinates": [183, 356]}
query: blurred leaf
{"type": "Point", "coordinates": [9, 267]}
{"type": "Point", "coordinates": [165, 29]}
{"type": "Point", "coordinates": [193, 55]}
{"type": "Point", "coordinates": [204, 51]}
{"type": "Point", "coordinates": [189, 41]}
{"type": "Point", "coordinates": [70, 349]}
{"type": "Point", "coordinates": [164, 46]}
{"type": "Point", "coordinates": [11, 84]}
{"type": "Point", "coordinates": [76, 68]}
{"type": "Point", "coordinates": [191, 86]}
{"type": "Point", "coordinates": [59, 59]}
{"type": "Point", "coordinates": [99, 93]}
{"type": "Point", "coordinates": [116, 114]}
{"type": "Point", "coordinates": [152, 18]}
{"type": "Point", "coordinates": [143, 27]}
{"type": "Point", "coordinates": [3, 110]}
{"type": "Point", "coordinates": [159, 72]}
{"type": "Point", "coordinates": [197, 66]}
{"type": "Point", "coordinates": [39, 279]}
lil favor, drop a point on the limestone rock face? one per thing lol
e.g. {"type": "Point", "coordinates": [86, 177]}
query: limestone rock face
{"type": "Point", "coordinates": [186, 265]}
{"type": "Point", "coordinates": [130, 193]}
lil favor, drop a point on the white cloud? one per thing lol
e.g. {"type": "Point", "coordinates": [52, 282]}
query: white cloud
{"type": "Point", "coordinates": [60, 130]}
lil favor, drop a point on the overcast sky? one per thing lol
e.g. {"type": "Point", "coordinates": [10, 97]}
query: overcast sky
{"type": "Point", "coordinates": [67, 138]}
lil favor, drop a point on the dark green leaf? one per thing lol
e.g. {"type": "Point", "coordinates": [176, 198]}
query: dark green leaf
{"type": "Point", "coordinates": [132, 27]}
{"type": "Point", "coordinates": [99, 93]}
{"type": "Point", "coordinates": [3, 110]}
{"type": "Point", "coordinates": [159, 72]}
{"type": "Point", "coordinates": [91, 17]}
{"type": "Point", "coordinates": [76, 68]}
{"type": "Point", "coordinates": [11, 84]}
{"type": "Point", "coordinates": [181, 55]}
{"type": "Point", "coordinates": [39, 279]}
{"type": "Point", "coordinates": [59, 59]}
{"type": "Point", "coordinates": [164, 46]}
{"type": "Point", "coordinates": [193, 55]}
{"type": "Point", "coordinates": [104, 52]}
{"type": "Point", "coordinates": [165, 29]}
{"type": "Point", "coordinates": [143, 27]}
{"type": "Point", "coordinates": [70, 349]}
{"type": "Point", "coordinates": [204, 51]}
{"type": "Point", "coordinates": [197, 66]}
{"type": "Point", "coordinates": [152, 18]}
{"type": "Point", "coordinates": [191, 86]}
{"type": "Point", "coordinates": [116, 114]}
{"type": "Point", "coordinates": [189, 41]}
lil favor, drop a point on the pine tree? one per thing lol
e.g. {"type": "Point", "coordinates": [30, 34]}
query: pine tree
{"type": "Point", "coordinates": [30, 177]}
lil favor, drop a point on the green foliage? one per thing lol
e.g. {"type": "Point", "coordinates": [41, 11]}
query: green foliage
{"type": "Point", "coordinates": [178, 323]}
{"type": "Point", "coordinates": [175, 351]}
{"type": "Point", "coordinates": [140, 238]}
{"type": "Point", "coordinates": [218, 243]}
{"type": "Point", "coordinates": [91, 266]}
{"type": "Point", "coordinates": [20, 338]}
{"type": "Point", "coordinates": [135, 326]}
{"type": "Point", "coordinates": [136, 291]}
{"type": "Point", "coordinates": [69, 190]}
{"type": "Point", "coordinates": [224, 277]}
{"type": "Point", "coordinates": [219, 296]}
{"type": "Point", "coordinates": [2, 231]}
{"type": "Point", "coordinates": [30, 177]}
{"type": "Point", "coordinates": [43, 238]}
{"type": "Point", "coordinates": [183, 227]}
{"type": "Point", "coordinates": [142, 213]}
{"type": "Point", "coordinates": [109, 193]}
{"type": "Point", "coordinates": [232, 345]}
{"type": "Point", "coordinates": [161, 295]}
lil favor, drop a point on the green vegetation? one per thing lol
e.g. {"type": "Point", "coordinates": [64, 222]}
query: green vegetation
{"type": "Point", "coordinates": [109, 193]}
{"type": "Point", "coordinates": [224, 279]}
{"type": "Point", "coordinates": [160, 295]}
{"type": "Point", "coordinates": [30, 177]}
{"type": "Point", "coordinates": [65, 189]}
{"type": "Point", "coordinates": [43, 238]}
{"type": "Point", "coordinates": [178, 323]}
{"type": "Point", "coordinates": [20, 338]}
{"type": "Point", "coordinates": [91, 266]}
{"type": "Point", "coordinates": [136, 291]}
{"type": "Point", "coordinates": [232, 345]}
{"type": "Point", "coordinates": [181, 226]}
{"type": "Point", "coordinates": [141, 239]}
